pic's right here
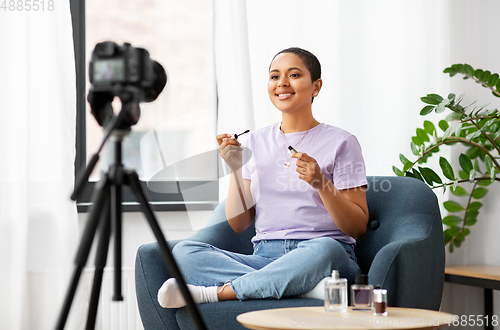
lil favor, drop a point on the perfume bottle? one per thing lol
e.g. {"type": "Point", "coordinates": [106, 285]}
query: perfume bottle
{"type": "Point", "coordinates": [380, 302]}
{"type": "Point", "coordinates": [336, 293]}
{"type": "Point", "coordinates": [361, 293]}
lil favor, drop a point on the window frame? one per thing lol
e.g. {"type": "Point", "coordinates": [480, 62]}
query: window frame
{"type": "Point", "coordinates": [205, 198]}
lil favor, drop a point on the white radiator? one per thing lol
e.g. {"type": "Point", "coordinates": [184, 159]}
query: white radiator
{"type": "Point", "coordinates": [111, 315]}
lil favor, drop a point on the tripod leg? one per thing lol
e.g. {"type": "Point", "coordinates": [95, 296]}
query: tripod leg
{"type": "Point", "coordinates": [100, 263]}
{"type": "Point", "coordinates": [116, 220]}
{"type": "Point", "coordinates": [173, 268]}
{"type": "Point", "coordinates": [98, 202]}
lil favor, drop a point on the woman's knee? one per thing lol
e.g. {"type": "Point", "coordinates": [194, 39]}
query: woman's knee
{"type": "Point", "coordinates": [324, 245]}
{"type": "Point", "coordinates": [327, 250]}
{"type": "Point", "coordinates": [186, 249]}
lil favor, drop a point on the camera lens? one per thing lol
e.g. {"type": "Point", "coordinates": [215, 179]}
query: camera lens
{"type": "Point", "coordinates": [159, 82]}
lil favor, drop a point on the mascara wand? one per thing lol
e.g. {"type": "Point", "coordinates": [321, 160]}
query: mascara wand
{"type": "Point", "coordinates": [236, 135]}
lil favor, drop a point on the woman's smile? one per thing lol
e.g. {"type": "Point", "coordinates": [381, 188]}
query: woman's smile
{"type": "Point", "coordinates": [284, 96]}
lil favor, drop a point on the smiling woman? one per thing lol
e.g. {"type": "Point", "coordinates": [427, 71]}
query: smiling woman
{"type": "Point", "coordinates": [308, 214]}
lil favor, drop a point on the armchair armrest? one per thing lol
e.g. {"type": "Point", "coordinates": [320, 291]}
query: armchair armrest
{"type": "Point", "coordinates": [412, 269]}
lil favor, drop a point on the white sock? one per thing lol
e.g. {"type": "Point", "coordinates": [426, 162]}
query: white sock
{"type": "Point", "coordinates": [318, 292]}
{"type": "Point", "coordinates": [170, 296]}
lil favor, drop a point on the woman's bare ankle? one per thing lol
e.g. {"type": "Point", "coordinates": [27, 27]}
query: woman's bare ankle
{"type": "Point", "coordinates": [226, 293]}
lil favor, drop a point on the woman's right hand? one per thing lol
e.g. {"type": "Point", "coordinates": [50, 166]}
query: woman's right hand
{"type": "Point", "coordinates": [230, 150]}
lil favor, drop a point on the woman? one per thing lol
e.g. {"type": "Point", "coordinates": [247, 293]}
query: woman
{"type": "Point", "coordinates": [308, 212]}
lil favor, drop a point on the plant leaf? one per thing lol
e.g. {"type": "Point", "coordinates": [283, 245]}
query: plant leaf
{"type": "Point", "coordinates": [451, 220]}
{"type": "Point", "coordinates": [468, 70]}
{"type": "Point", "coordinates": [484, 183]}
{"type": "Point", "coordinates": [458, 130]}
{"type": "Point", "coordinates": [465, 163]}
{"type": "Point", "coordinates": [407, 166]}
{"type": "Point", "coordinates": [427, 110]}
{"type": "Point", "coordinates": [479, 193]}
{"type": "Point", "coordinates": [443, 125]}
{"type": "Point", "coordinates": [474, 206]}
{"type": "Point", "coordinates": [454, 230]}
{"type": "Point", "coordinates": [431, 175]}
{"type": "Point", "coordinates": [417, 175]}
{"type": "Point", "coordinates": [471, 218]}
{"type": "Point", "coordinates": [433, 99]}
{"type": "Point", "coordinates": [452, 206]}
{"type": "Point", "coordinates": [417, 140]}
{"type": "Point", "coordinates": [447, 236]}
{"type": "Point", "coordinates": [473, 152]}
{"type": "Point", "coordinates": [493, 80]}
{"type": "Point", "coordinates": [403, 159]}
{"type": "Point", "coordinates": [488, 163]}
{"type": "Point", "coordinates": [476, 165]}
{"type": "Point", "coordinates": [447, 133]}
{"type": "Point", "coordinates": [446, 168]}
{"type": "Point", "coordinates": [397, 171]}
{"type": "Point", "coordinates": [429, 127]}
{"type": "Point", "coordinates": [473, 135]}
{"type": "Point", "coordinates": [422, 135]}
{"type": "Point", "coordinates": [472, 175]}
{"type": "Point", "coordinates": [453, 116]}
{"type": "Point", "coordinates": [459, 191]}
{"type": "Point", "coordinates": [414, 149]}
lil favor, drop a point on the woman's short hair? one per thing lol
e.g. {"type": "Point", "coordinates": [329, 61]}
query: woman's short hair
{"type": "Point", "coordinates": [310, 60]}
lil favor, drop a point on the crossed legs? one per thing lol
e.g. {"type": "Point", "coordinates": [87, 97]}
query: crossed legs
{"type": "Point", "coordinates": [271, 272]}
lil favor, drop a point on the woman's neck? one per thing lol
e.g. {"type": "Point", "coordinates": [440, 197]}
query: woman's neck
{"type": "Point", "coordinates": [294, 124]}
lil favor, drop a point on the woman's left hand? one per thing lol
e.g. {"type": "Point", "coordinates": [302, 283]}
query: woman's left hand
{"type": "Point", "coordinates": [309, 170]}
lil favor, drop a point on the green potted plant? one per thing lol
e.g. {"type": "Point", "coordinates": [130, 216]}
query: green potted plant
{"type": "Point", "coordinates": [472, 126]}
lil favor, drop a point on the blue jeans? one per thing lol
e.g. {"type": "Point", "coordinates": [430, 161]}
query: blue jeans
{"type": "Point", "coordinates": [277, 268]}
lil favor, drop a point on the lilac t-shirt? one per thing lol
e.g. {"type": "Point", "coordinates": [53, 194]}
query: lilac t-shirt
{"type": "Point", "coordinates": [286, 206]}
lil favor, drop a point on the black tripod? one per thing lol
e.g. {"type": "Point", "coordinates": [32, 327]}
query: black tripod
{"type": "Point", "coordinates": [106, 212]}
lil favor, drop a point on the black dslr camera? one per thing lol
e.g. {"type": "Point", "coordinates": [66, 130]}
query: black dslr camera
{"type": "Point", "coordinates": [126, 72]}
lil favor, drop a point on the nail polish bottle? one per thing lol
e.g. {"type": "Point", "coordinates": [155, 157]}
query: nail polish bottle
{"type": "Point", "coordinates": [361, 293]}
{"type": "Point", "coordinates": [380, 302]}
{"type": "Point", "coordinates": [336, 293]}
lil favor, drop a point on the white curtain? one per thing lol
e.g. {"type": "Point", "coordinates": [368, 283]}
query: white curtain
{"type": "Point", "coordinates": [38, 222]}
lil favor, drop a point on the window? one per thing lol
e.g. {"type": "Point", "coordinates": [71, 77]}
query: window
{"type": "Point", "coordinates": [172, 147]}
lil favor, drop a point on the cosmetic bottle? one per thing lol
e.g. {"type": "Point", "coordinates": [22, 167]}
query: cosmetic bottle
{"type": "Point", "coordinates": [361, 293]}
{"type": "Point", "coordinates": [380, 302]}
{"type": "Point", "coordinates": [336, 293]}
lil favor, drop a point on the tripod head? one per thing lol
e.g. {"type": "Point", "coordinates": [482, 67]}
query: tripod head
{"type": "Point", "coordinates": [101, 108]}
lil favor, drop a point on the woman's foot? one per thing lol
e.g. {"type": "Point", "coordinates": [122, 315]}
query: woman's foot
{"type": "Point", "coordinates": [318, 292]}
{"type": "Point", "coordinates": [170, 296]}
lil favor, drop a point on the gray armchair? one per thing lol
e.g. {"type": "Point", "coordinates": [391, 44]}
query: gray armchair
{"type": "Point", "coordinates": [402, 250]}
